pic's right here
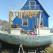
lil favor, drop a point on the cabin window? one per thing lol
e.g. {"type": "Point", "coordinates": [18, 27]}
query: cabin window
{"type": "Point", "coordinates": [24, 21]}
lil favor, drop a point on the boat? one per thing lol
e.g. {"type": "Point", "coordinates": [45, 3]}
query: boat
{"type": "Point", "coordinates": [26, 40]}
{"type": "Point", "coordinates": [28, 28]}
{"type": "Point", "coordinates": [35, 36]}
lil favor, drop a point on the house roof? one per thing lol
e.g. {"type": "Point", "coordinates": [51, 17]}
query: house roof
{"type": "Point", "coordinates": [24, 8]}
{"type": "Point", "coordinates": [43, 8]}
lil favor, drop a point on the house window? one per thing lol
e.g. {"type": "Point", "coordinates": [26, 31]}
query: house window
{"type": "Point", "coordinates": [24, 21]}
{"type": "Point", "coordinates": [32, 4]}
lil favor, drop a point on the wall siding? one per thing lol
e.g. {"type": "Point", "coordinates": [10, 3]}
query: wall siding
{"type": "Point", "coordinates": [31, 23]}
{"type": "Point", "coordinates": [45, 20]}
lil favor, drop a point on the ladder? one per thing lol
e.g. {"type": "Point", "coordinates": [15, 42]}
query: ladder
{"type": "Point", "coordinates": [21, 48]}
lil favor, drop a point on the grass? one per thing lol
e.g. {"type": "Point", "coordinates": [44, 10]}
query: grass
{"type": "Point", "coordinates": [49, 49]}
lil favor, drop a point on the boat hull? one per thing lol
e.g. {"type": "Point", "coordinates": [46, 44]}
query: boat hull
{"type": "Point", "coordinates": [26, 40]}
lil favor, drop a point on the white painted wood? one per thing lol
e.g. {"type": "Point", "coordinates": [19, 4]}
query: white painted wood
{"type": "Point", "coordinates": [16, 31]}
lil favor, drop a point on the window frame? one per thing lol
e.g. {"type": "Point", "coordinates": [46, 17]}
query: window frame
{"type": "Point", "coordinates": [23, 22]}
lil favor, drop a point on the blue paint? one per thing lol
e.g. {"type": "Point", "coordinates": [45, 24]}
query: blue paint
{"type": "Point", "coordinates": [38, 7]}
{"type": "Point", "coordinates": [32, 21]}
{"type": "Point", "coordinates": [17, 21]}
{"type": "Point", "coordinates": [45, 19]}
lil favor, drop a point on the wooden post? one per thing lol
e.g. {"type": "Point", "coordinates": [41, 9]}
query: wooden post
{"type": "Point", "coordinates": [10, 21]}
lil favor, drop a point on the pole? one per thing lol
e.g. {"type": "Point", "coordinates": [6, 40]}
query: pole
{"type": "Point", "coordinates": [39, 21]}
{"type": "Point", "coordinates": [9, 23]}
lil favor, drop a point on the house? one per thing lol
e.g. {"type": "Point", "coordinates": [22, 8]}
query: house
{"type": "Point", "coordinates": [35, 5]}
{"type": "Point", "coordinates": [27, 23]}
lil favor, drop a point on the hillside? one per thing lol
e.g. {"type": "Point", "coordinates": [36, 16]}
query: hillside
{"type": "Point", "coordinates": [4, 25]}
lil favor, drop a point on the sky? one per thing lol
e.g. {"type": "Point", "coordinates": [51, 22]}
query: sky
{"type": "Point", "coordinates": [6, 5]}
